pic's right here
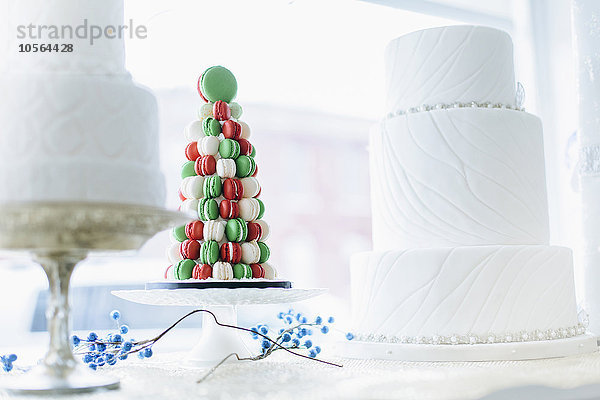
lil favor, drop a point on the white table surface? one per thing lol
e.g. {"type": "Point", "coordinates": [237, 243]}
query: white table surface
{"type": "Point", "coordinates": [284, 377]}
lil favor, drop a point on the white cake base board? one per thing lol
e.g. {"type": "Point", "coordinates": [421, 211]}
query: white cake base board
{"type": "Point", "coordinates": [464, 352]}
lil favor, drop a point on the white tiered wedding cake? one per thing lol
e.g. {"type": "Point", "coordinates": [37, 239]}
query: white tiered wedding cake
{"type": "Point", "coordinates": [462, 268]}
{"type": "Point", "coordinates": [74, 125]}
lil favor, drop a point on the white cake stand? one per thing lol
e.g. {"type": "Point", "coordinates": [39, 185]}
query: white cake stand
{"type": "Point", "coordinates": [59, 235]}
{"type": "Point", "coordinates": [217, 342]}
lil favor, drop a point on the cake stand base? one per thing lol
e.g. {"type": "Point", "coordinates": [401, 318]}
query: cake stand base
{"type": "Point", "coordinates": [44, 381]}
{"type": "Point", "coordinates": [217, 342]}
{"type": "Point", "coordinates": [465, 352]}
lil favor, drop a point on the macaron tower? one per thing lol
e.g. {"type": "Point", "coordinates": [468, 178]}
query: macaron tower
{"type": "Point", "coordinates": [219, 187]}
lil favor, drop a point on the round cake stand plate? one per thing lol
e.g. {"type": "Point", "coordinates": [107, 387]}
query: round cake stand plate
{"type": "Point", "coordinates": [465, 352]}
{"type": "Point", "coordinates": [217, 342]}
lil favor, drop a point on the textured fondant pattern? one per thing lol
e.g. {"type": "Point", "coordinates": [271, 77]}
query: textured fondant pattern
{"type": "Point", "coordinates": [455, 177]}
{"type": "Point", "coordinates": [464, 290]}
{"type": "Point", "coordinates": [77, 137]}
{"type": "Point", "coordinates": [450, 64]}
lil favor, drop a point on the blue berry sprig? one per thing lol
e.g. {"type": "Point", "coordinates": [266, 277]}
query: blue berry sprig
{"type": "Point", "coordinates": [294, 336]}
{"type": "Point", "coordinates": [97, 352]}
{"type": "Point", "coordinates": [7, 362]}
{"type": "Point", "coordinates": [101, 352]}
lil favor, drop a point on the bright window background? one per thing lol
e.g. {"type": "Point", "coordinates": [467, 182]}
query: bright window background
{"type": "Point", "coordinates": [310, 75]}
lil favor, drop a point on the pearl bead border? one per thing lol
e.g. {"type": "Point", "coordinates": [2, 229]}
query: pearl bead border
{"type": "Point", "coordinates": [443, 106]}
{"type": "Point", "coordinates": [472, 339]}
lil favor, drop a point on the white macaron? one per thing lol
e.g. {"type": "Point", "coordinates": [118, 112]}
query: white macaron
{"type": "Point", "coordinates": [226, 168]}
{"type": "Point", "coordinates": [250, 252]}
{"type": "Point", "coordinates": [193, 131]}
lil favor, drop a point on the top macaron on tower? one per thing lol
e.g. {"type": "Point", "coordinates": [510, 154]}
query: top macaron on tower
{"type": "Point", "coordinates": [219, 187]}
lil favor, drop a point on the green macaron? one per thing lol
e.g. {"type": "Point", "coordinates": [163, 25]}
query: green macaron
{"type": "Point", "coordinates": [179, 233]}
{"type": "Point", "coordinates": [265, 252]}
{"type": "Point", "coordinates": [208, 209]}
{"type": "Point", "coordinates": [183, 269]}
{"type": "Point", "coordinates": [188, 169]}
{"type": "Point", "coordinates": [211, 127]}
{"type": "Point", "coordinates": [244, 166]}
{"type": "Point", "coordinates": [229, 148]}
{"type": "Point", "coordinates": [236, 230]}
{"type": "Point", "coordinates": [253, 152]}
{"type": "Point", "coordinates": [209, 252]}
{"type": "Point", "coordinates": [212, 186]}
{"type": "Point", "coordinates": [218, 83]}
{"type": "Point", "coordinates": [261, 211]}
{"type": "Point", "coordinates": [242, 270]}
{"type": "Point", "coordinates": [236, 110]}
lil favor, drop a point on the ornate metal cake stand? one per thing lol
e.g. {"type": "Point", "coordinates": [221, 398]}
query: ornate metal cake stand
{"type": "Point", "coordinates": [216, 342]}
{"type": "Point", "coordinates": [60, 235]}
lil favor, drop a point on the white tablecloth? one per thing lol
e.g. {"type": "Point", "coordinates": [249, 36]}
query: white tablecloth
{"type": "Point", "coordinates": [283, 377]}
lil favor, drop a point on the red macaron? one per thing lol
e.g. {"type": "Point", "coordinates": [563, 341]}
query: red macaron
{"type": "Point", "coordinates": [233, 189]}
{"type": "Point", "coordinates": [229, 209]}
{"type": "Point", "coordinates": [205, 165]}
{"type": "Point", "coordinates": [255, 171]}
{"type": "Point", "coordinates": [200, 89]}
{"type": "Point", "coordinates": [221, 111]}
{"type": "Point", "coordinates": [202, 271]}
{"type": "Point", "coordinates": [245, 146]}
{"type": "Point", "coordinates": [231, 252]}
{"type": "Point", "coordinates": [257, 271]}
{"type": "Point", "coordinates": [254, 231]}
{"type": "Point", "coordinates": [190, 249]}
{"type": "Point", "coordinates": [191, 151]}
{"type": "Point", "coordinates": [232, 130]}
{"type": "Point", "coordinates": [195, 230]}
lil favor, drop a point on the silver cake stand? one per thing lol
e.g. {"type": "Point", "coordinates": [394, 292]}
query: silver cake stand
{"type": "Point", "coordinates": [59, 235]}
{"type": "Point", "coordinates": [217, 342]}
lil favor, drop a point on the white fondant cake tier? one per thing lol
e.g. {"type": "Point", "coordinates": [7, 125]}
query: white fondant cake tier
{"type": "Point", "coordinates": [79, 138]}
{"type": "Point", "coordinates": [459, 176]}
{"type": "Point", "coordinates": [465, 291]}
{"type": "Point", "coordinates": [449, 64]}
{"type": "Point", "coordinates": [68, 22]}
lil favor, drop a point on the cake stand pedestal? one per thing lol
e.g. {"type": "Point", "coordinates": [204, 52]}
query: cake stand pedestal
{"type": "Point", "coordinates": [217, 342]}
{"type": "Point", "coordinates": [60, 235]}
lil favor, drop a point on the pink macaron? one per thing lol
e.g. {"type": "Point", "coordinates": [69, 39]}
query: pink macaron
{"type": "Point", "coordinates": [202, 271]}
{"type": "Point", "coordinates": [254, 231]}
{"type": "Point", "coordinates": [200, 89]}
{"type": "Point", "coordinates": [191, 151]}
{"type": "Point", "coordinates": [190, 249]}
{"type": "Point", "coordinates": [195, 230]}
{"type": "Point", "coordinates": [168, 272]}
{"type": "Point", "coordinates": [245, 146]}
{"type": "Point", "coordinates": [229, 209]}
{"type": "Point", "coordinates": [231, 252]}
{"type": "Point", "coordinates": [233, 189]}
{"type": "Point", "coordinates": [205, 165]}
{"type": "Point", "coordinates": [257, 271]}
{"type": "Point", "coordinates": [221, 111]}
{"type": "Point", "coordinates": [232, 130]}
